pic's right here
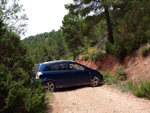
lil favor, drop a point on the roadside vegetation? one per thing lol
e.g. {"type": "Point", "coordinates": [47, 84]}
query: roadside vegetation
{"type": "Point", "coordinates": [139, 88]}
{"type": "Point", "coordinates": [17, 93]}
{"type": "Point", "coordinates": [144, 50]}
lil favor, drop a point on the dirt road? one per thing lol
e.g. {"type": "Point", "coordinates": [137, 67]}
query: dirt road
{"type": "Point", "coordinates": [102, 99]}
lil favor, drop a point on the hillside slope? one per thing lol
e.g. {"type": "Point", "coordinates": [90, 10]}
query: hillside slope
{"type": "Point", "coordinates": [136, 66]}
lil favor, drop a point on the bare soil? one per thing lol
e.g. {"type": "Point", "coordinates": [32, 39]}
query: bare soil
{"type": "Point", "coordinates": [135, 65]}
{"type": "Point", "coordinates": [102, 99]}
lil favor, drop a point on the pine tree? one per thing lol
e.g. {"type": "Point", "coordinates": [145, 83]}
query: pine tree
{"type": "Point", "coordinates": [72, 33]}
{"type": "Point", "coordinates": [132, 27]}
{"type": "Point", "coordinates": [17, 94]}
{"type": "Point", "coordinates": [97, 8]}
{"type": "Point", "coordinates": [12, 14]}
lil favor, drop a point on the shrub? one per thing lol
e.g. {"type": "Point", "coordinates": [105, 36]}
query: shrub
{"type": "Point", "coordinates": [110, 79]}
{"type": "Point", "coordinates": [120, 72]}
{"type": "Point", "coordinates": [133, 86]}
{"type": "Point", "coordinates": [91, 50]}
{"type": "Point", "coordinates": [116, 50]}
{"type": "Point", "coordinates": [114, 80]}
{"type": "Point", "coordinates": [123, 86]}
{"type": "Point", "coordinates": [140, 89]}
{"type": "Point", "coordinates": [96, 55]}
{"type": "Point", "coordinates": [17, 94]}
{"type": "Point", "coordinates": [106, 76]}
{"type": "Point", "coordinates": [85, 57]}
{"type": "Point", "coordinates": [145, 88]}
{"type": "Point", "coordinates": [144, 50]}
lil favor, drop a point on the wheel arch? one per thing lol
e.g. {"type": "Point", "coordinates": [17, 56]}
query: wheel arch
{"type": "Point", "coordinates": [48, 80]}
{"type": "Point", "coordinates": [95, 75]}
{"type": "Point", "coordinates": [91, 80]}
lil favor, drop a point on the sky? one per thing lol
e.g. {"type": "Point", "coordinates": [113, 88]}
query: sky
{"type": "Point", "coordinates": [44, 15]}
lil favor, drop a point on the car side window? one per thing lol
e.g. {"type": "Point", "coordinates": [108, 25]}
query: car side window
{"type": "Point", "coordinates": [64, 66]}
{"type": "Point", "coordinates": [74, 66]}
{"type": "Point", "coordinates": [52, 67]}
{"type": "Point", "coordinates": [57, 67]}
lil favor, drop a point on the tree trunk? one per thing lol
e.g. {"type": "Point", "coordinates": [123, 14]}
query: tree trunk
{"type": "Point", "coordinates": [109, 25]}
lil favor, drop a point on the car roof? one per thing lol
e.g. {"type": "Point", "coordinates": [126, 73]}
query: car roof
{"type": "Point", "coordinates": [57, 61]}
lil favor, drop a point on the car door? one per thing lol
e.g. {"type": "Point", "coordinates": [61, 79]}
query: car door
{"type": "Point", "coordinates": [79, 74]}
{"type": "Point", "coordinates": [63, 75]}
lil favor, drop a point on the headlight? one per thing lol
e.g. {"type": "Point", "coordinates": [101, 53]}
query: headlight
{"type": "Point", "coordinates": [38, 74]}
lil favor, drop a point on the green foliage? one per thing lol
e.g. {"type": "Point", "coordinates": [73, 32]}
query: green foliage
{"type": "Point", "coordinates": [115, 79]}
{"type": "Point", "coordinates": [127, 19]}
{"type": "Point", "coordinates": [97, 55]}
{"type": "Point", "coordinates": [98, 10]}
{"type": "Point", "coordinates": [123, 86]}
{"type": "Point", "coordinates": [106, 76]}
{"type": "Point", "coordinates": [98, 32]}
{"type": "Point", "coordinates": [94, 26]}
{"type": "Point", "coordinates": [140, 89]}
{"type": "Point", "coordinates": [144, 50]}
{"type": "Point", "coordinates": [110, 79]}
{"type": "Point", "coordinates": [17, 94]}
{"type": "Point", "coordinates": [116, 49]}
{"type": "Point", "coordinates": [130, 31]}
{"type": "Point", "coordinates": [85, 57]}
{"type": "Point", "coordinates": [12, 14]}
{"type": "Point", "coordinates": [93, 53]}
{"type": "Point", "coordinates": [133, 86]}
{"type": "Point", "coordinates": [72, 33]}
{"type": "Point", "coordinates": [120, 72]}
{"type": "Point", "coordinates": [95, 35]}
{"type": "Point", "coordinates": [47, 47]}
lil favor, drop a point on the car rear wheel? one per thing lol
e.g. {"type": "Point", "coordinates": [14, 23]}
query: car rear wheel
{"type": "Point", "coordinates": [49, 86]}
{"type": "Point", "coordinates": [94, 81]}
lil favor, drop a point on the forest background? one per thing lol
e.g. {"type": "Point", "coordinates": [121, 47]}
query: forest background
{"type": "Point", "coordinates": [124, 23]}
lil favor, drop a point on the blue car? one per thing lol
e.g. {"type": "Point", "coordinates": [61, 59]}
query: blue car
{"type": "Point", "coordinates": [58, 74]}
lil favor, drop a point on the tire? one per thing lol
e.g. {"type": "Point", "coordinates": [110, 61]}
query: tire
{"type": "Point", "coordinates": [94, 81]}
{"type": "Point", "coordinates": [49, 86]}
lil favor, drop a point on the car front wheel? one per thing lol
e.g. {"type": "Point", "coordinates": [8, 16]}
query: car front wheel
{"type": "Point", "coordinates": [49, 86]}
{"type": "Point", "coordinates": [94, 81]}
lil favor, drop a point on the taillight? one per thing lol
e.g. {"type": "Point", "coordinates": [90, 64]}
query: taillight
{"type": "Point", "coordinates": [38, 74]}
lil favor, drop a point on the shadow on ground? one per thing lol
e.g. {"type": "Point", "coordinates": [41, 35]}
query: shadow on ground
{"type": "Point", "coordinates": [76, 87]}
